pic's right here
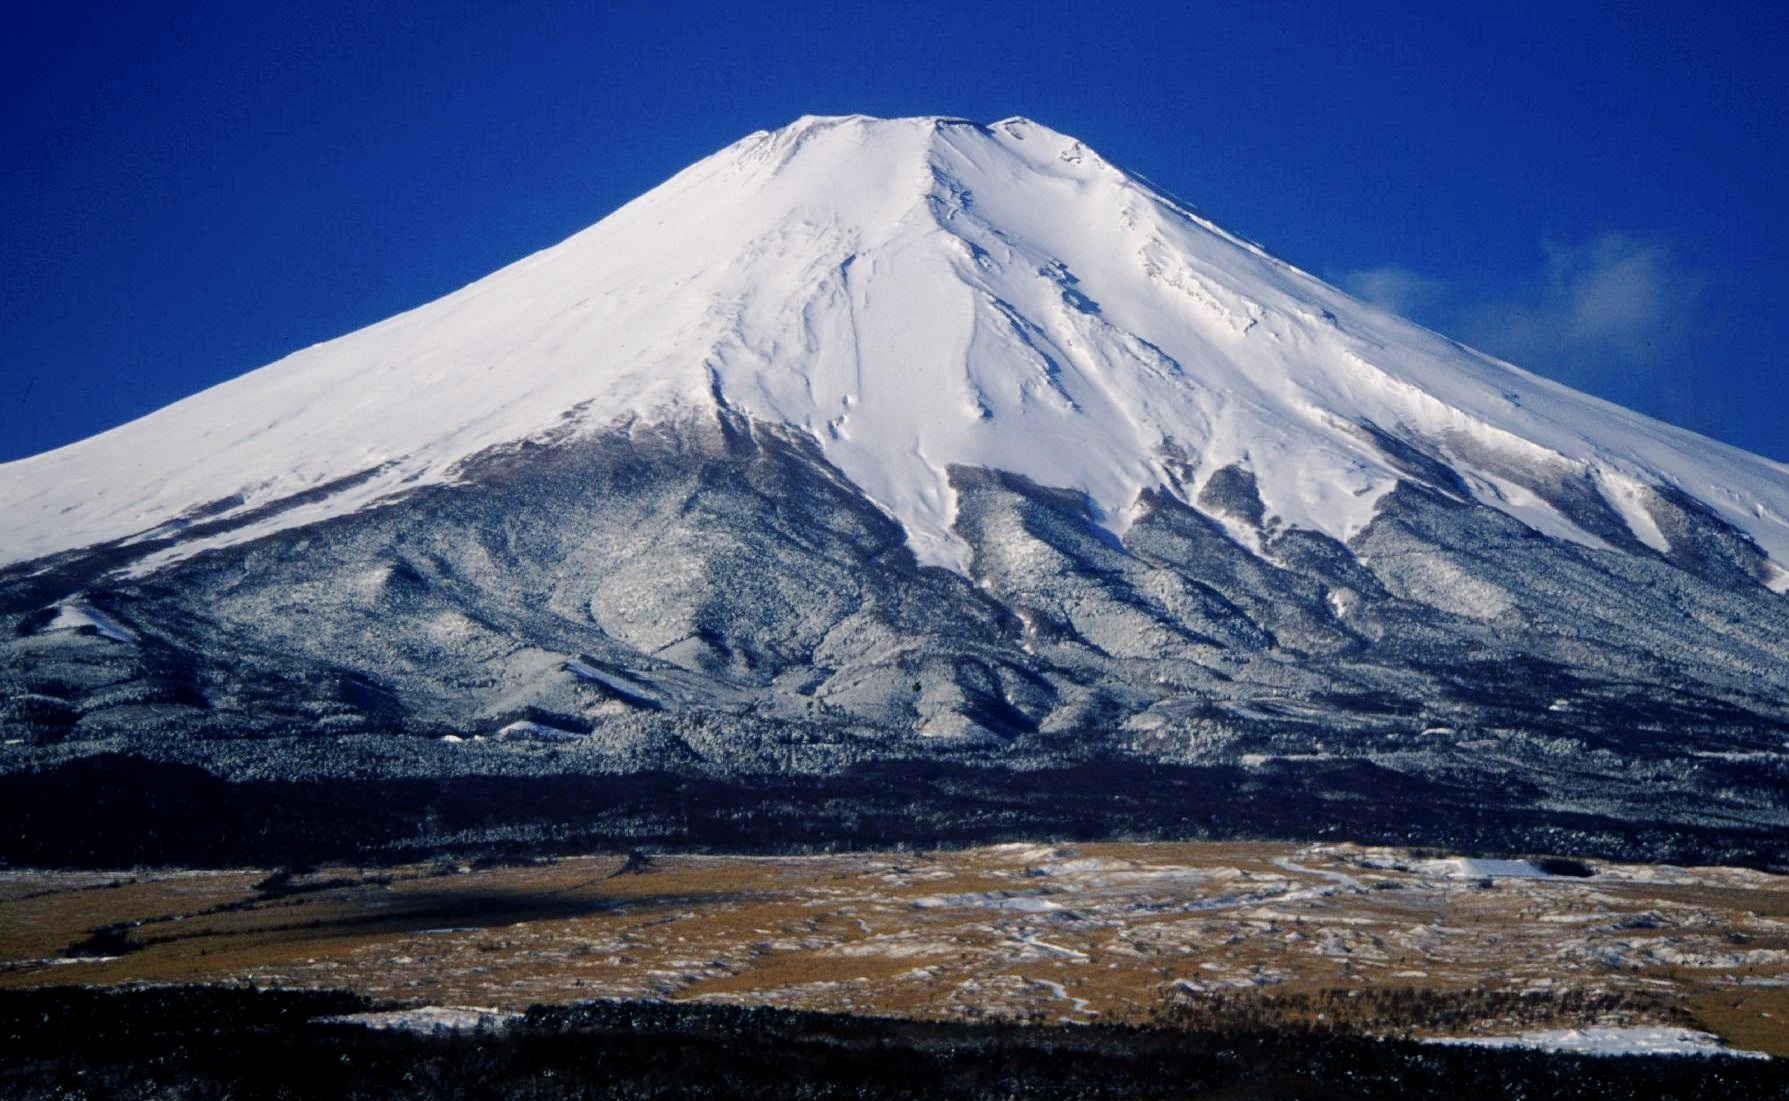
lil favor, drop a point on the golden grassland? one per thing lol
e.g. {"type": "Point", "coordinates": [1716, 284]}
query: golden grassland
{"type": "Point", "coordinates": [1112, 932]}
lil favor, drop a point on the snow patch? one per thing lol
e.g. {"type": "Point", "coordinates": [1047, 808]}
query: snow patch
{"type": "Point", "coordinates": [429, 1019]}
{"type": "Point", "coordinates": [1609, 1041]}
{"type": "Point", "coordinates": [525, 730]}
{"type": "Point", "coordinates": [1465, 867]}
{"type": "Point", "coordinates": [1027, 903]}
{"type": "Point", "coordinates": [73, 616]}
{"type": "Point", "coordinates": [1060, 992]}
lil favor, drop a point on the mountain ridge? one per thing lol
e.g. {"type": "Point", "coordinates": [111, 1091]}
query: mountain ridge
{"type": "Point", "coordinates": [928, 487]}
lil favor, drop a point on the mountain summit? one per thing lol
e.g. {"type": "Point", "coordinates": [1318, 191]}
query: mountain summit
{"type": "Point", "coordinates": [914, 294]}
{"type": "Point", "coordinates": [865, 449]}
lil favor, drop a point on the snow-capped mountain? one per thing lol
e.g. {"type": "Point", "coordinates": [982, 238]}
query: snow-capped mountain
{"type": "Point", "coordinates": [914, 294]}
{"type": "Point", "coordinates": [874, 438]}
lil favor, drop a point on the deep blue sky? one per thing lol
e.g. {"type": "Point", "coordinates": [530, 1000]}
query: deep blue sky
{"type": "Point", "coordinates": [188, 191]}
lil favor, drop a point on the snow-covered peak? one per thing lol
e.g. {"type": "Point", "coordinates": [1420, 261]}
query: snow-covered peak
{"type": "Point", "coordinates": [916, 293]}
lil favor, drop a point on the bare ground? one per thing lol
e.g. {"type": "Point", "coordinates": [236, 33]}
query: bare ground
{"type": "Point", "coordinates": [1376, 940]}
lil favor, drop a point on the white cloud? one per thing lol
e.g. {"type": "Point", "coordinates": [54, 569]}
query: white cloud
{"type": "Point", "coordinates": [1598, 313]}
{"type": "Point", "coordinates": [1398, 289]}
{"type": "Point", "coordinates": [1611, 306]}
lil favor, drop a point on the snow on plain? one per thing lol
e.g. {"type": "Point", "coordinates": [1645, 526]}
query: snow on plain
{"type": "Point", "coordinates": [913, 293]}
{"type": "Point", "coordinates": [429, 1019]}
{"type": "Point", "coordinates": [1470, 867]}
{"type": "Point", "coordinates": [1609, 1041]}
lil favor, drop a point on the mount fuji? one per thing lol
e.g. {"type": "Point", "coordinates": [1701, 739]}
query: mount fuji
{"type": "Point", "coordinates": [883, 444]}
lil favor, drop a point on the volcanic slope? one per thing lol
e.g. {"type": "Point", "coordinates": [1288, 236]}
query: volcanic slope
{"type": "Point", "coordinates": [911, 439]}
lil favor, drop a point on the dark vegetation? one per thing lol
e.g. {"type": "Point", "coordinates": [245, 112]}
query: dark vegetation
{"type": "Point", "coordinates": [232, 1042]}
{"type": "Point", "coordinates": [1413, 1010]}
{"type": "Point", "coordinates": [112, 811]}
